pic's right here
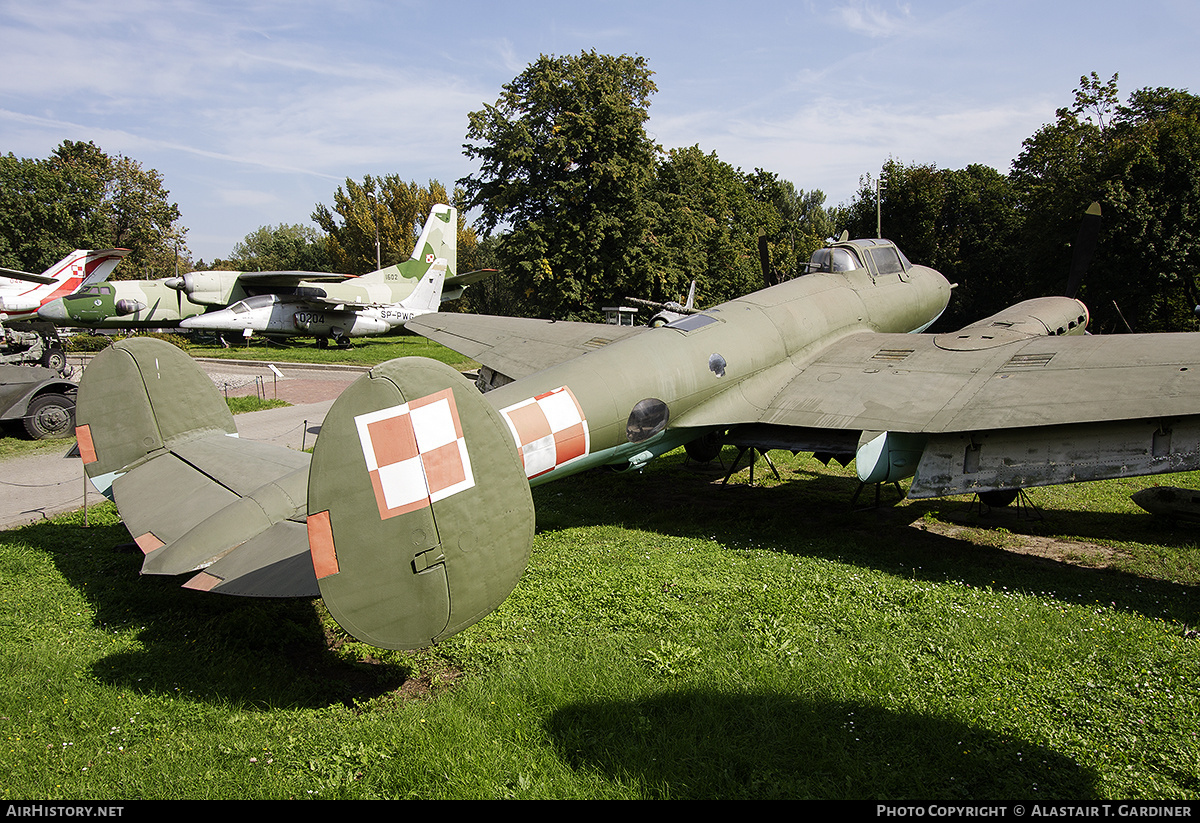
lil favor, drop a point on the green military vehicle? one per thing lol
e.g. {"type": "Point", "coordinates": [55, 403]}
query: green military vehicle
{"type": "Point", "coordinates": [40, 399]}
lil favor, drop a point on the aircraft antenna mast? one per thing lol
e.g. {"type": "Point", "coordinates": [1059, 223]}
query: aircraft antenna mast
{"type": "Point", "coordinates": [879, 184]}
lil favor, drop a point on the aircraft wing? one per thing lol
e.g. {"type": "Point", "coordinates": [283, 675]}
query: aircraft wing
{"type": "Point", "coordinates": [259, 279]}
{"type": "Point", "coordinates": [1042, 409]}
{"type": "Point", "coordinates": [517, 346]}
{"type": "Point", "coordinates": [28, 277]}
{"type": "Point", "coordinates": [931, 384]}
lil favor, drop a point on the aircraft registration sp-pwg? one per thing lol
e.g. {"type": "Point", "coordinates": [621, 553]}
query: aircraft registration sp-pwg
{"type": "Point", "coordinates": [414, 518]}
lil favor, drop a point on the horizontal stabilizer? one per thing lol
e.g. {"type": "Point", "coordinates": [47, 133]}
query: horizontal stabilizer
{"type": "Point", "coordinates": [231, 526]}
{"type": "Point", "coordinates": [275, 563]}
{"type": "Point", "coordinates": [189, 492]}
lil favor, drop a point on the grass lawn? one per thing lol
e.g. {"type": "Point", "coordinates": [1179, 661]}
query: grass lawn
{"type": "Point", "coordinates": [672, 638]}
{"type": "Point", "coordinates": [366, 351]}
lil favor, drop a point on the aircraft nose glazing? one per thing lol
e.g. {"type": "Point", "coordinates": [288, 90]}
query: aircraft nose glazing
{"type": "Point", "coordinates": [54, 310]}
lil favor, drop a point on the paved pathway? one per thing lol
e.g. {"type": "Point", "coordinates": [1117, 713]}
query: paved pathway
{"type": "Point", "coordinates": [35, 487]}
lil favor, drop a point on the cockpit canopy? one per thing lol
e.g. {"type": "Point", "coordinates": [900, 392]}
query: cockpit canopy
{"type": "Point", "coordinates": [880, 256]}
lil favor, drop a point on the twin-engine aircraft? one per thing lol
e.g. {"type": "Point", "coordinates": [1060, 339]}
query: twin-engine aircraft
{"type": "Point", "coordinates": [278, 303]}
{"type": "Point", "coordinates": [414, 518]}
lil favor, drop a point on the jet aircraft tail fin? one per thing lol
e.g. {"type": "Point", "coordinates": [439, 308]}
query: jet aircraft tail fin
{"type": "Point", "coordinates": [438, 240]}
{"type": "Point", "coordinates": [427, 296]}
{"type": "Point", "coordinates": [80, 268]}
{"type": "Point", "coordinates": [420, 516]}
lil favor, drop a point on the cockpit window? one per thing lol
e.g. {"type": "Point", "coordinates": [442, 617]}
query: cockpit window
{"type": "Point", "coordinates": [255, 302]}
{"type": "Point", "coordinates": [691, 322]}
{"type": "Point", "coordinates": [887, 260]}
{"type": "Point", "coordinates": [832, 260]}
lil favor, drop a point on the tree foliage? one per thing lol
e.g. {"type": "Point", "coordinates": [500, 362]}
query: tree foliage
{"type": "Point", "coordinates": [565, 162]}
{"type": "Point", "coordinates": [390, 211]}
{"type": "Point", "coordinates": [1141, 161]}
{"type": "Point", "coordinates": [1005, 238]}
{"type": "Point", "coordinates": [82, 198]}
{"type": "Point", "coordinates": [707, 220]}
{"type": "Point", "coordinates": [964, 223]}
{"type": "Point", "coordinates": [279, 248]}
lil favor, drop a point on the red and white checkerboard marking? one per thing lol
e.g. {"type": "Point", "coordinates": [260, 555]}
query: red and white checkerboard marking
{"type": "Point", "coordinates": [415, 453]}
{"type": "Point", "coordinates": [550, 430]}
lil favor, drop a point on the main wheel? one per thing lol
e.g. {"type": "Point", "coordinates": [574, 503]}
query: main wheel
{"type": "Point", "coordinates": [998, 498]}
{"type": "Point", "coordinates": [50, 416]}
{"type": "Point", "coordinates": [55, 359]}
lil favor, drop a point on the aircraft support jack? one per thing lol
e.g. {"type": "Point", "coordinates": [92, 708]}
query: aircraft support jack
{"type": "Point", "coordinates": [862, 485]}
{"type": "Point", "coordinates": [741, 451]}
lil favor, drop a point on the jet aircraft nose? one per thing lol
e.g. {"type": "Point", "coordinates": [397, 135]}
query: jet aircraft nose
{"type": "Point", "coordinates": [54, 310]}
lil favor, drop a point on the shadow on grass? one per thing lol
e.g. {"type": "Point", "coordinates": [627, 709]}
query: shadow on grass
{"type": "Point", "coordinates": [809, 514]}
{"type": "Point", "coordinates": [696, 745]}
{"type": "Point", "coordinates": [258, 653]}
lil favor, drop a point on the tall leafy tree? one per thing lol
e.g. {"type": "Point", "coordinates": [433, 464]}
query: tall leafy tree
{"type": "Point", "coordinates": [1141, 161]}
{"type": "Point", "coordinates": [565, 162]}
{"type": "Point", "coordinates": [965, 223]}
{"type": "Point", "coordinates": [386, 210]}
{"type": "Point", "coordinates": [708, 217]}
{"type": "Point", "coordinates": [804, 224]}
{"type": "Point", "coordinates": [82, 198]}
{"type": "Point", "coordinates": [280, 248]}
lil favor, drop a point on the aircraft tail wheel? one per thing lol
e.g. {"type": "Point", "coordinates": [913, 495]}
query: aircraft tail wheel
{"type": "Point", "coordinates": [420, 518]}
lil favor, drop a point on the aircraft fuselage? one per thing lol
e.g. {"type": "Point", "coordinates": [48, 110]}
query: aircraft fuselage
{"type": "Point", "coordinates": [627, 392]}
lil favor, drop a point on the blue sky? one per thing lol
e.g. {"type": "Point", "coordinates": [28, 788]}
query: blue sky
{"type": "Point", "coordinates": [256, 110]}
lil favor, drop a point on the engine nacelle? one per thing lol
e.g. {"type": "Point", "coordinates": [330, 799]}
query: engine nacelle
{"type": "Point", "coordinates": [888, 457]}
{"type": "Point", "coordinates": [1041, 316]}
{"type": "Point", "coordinates": [209, 288]}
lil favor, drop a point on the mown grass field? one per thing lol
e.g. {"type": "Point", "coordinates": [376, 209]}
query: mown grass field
{"type": "Point", "coordinates": [672, 638]}
{"type": "Point", "coordinates": [366, 351]}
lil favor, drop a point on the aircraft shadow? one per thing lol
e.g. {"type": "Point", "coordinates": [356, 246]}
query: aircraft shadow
{"type": "Point", "coordinates": [810, 514]}
{"type": "Point", "coordinates": [259, 653]}
{"type": "Point", "coordinates": [767, 745]}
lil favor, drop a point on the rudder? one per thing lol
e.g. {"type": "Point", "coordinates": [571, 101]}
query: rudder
{"type": "Point", "coordinates": [420, 517]}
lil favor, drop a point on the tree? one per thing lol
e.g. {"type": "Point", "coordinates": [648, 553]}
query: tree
{"type": "Point", "coordinates": [964, 223]}
{"type": "Point", "coordinates": [1141, 161]}
{"type": "Point", "coordinates": [388, 211]}
{"type": "Point", "coordinates": [708, 217]}
{"type": "Point", "coordinates": [565, 164]}
{"type": "Point", "coordinates": [804, 223]}
{"type": "Point", "coordinates": [280, 248]}
{"type": "Point", "coordinates": [81, 198]}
